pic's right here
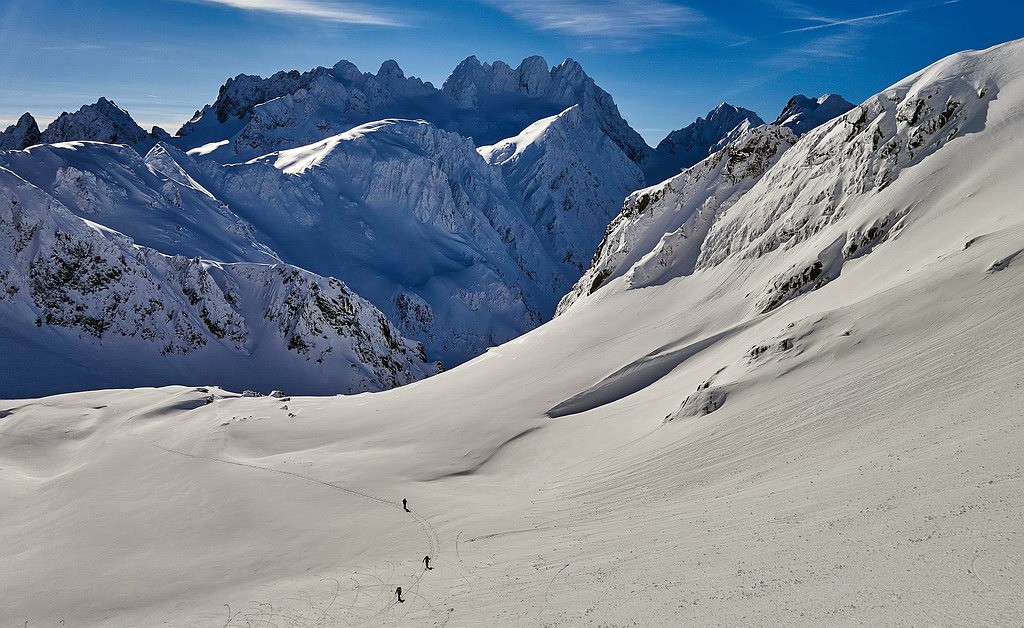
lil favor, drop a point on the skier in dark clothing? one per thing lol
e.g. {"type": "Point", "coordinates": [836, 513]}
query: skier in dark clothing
{"type": "Point", "coordinates": [426, 561]}
{"type": "Point", "coordinates": [405, 505]}
{"type": "Point", "coordinates": [398, 592]}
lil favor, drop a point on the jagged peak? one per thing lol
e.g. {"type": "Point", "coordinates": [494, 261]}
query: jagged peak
{"type": "Point", "coordinates": [21, 134]}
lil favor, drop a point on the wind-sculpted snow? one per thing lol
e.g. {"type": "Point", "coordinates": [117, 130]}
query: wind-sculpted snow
{"type": "Point", "coordinates": [659, 232]}
{"type": "Point", "coordinates": [152, 200]}
{"type": "Point", "coordinates": [254, 116]}
{"type": "Point", "coordinates": [818, 203]}
{"type": "Point", "coordinates": [833, 174]}
{"type": "Point", "coordinates": [131, 315]}
{"type": "Point", "coordinates": [570, 179]}
{"type": "Point", "coordinates": [415, 221]}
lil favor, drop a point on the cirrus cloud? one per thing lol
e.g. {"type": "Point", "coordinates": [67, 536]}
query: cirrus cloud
{"type": "Point", "coordinates": [624, 20]}
{"type": "Point", "coordinates": [344, 12]}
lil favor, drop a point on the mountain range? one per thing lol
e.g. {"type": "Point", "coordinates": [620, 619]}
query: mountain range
{"type": "Point", "coordinates": [461, 214]}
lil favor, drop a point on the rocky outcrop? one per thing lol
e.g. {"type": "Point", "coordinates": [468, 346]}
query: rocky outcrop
{"type": "Point", "coordinates": [659, 233]}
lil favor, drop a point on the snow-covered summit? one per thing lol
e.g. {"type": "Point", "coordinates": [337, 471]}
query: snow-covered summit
{"type": "Point", "coordinates": [803, 114]}
{"type": "Point", "coordinates": [21, 134]}
{"type": "Point", "coordinates": [841, 191]}
{"type": "Point", "coordinates": [102, 121]}
{"type": "Point", "coordinates": [533, 87]}
{"type": "Point", "coordinates": [705, 133]}
{"type": "Point", "coordinates": [569, 178]}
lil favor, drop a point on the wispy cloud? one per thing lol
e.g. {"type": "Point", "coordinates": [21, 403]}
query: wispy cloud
{"type": "Point", "coordinates": [343, 12]}
{"type": "Point", "coordinates": [621, 20]}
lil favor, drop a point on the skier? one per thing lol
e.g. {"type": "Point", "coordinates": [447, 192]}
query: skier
{"type": "Point", "coordinates": [405, 505]}
{"type": "Point", "coordinates": [426, 561]}
{"type": "Point", "coordinates": [398, 592]}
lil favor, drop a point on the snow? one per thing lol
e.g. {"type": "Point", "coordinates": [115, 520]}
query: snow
{"type": "Point", "coordinates": [486, 102]}
{"type": "Point", "coordinates": [84, 306]}
{"type": "Point", "coordinates": [671, 453]}
{"type": "Point", "coordinates": [687, 146]}
{"type": "Point", "coordinates": [569, 178]}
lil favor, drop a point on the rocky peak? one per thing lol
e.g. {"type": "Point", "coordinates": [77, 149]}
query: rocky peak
{"type": "Point", "coordinates": [21, 134]}
{"type": "Point", "coordinates": [704, 134]}
{"type": "Point", "coordinates": [802, 114]}
{"type": "Point", "coordinates": [390, 69]}
{"type": "Point", "coordinates": [689, 145]}
{"type": "Point", "coordinates": [102, 121]}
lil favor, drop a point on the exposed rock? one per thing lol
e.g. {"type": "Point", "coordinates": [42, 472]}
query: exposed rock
{"type": "Point", "coordinates": [22, 134]}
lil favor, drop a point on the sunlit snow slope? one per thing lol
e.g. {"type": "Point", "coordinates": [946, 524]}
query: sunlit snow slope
{"type": "Point", "coordinates": [738, 443]}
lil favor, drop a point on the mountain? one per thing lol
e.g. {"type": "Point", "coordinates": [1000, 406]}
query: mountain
{"type": "Point", "coordinates": [409, 216]}
{"type": "Point", "coordinates": [823, 204]}
{"type": "Point", "coordinates": [685, 453]}
{"type": "Point", "coordinates": [102, 121]}
{"type": "Point", "coordinates": [685, 147]}
{"type": "Point", "coordinates": [254, 116]}
{"type": "Point", "coordinates": [21, 134]}
{"type": "Point", "coordinates": [414, 220]}
{"type": "Point", "coordinates": [569, 178]}
{"type": "Point", "coordinates": [150, 199]}
{"type": "Point", "coordinates": [660, 230]}
{"type": "Point", "coordinates": [506, 100]}
{"type": "Point", "coordinates": [85, 306]}
{"type": "Point", "coordinates": [802, 114]}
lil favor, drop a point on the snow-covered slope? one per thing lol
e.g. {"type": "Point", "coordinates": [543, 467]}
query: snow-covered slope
{"type": "Point", "coordinates": [21, 134]}
{"type": "Point", "coordinates": [88, 303]}
{"type": "Point", "coordinates": [152, 200]}
{"type": "Point", "coordinates": [803, 114]}
{"type": "Point", "coordinates": [685, 147]}
{"type": "Point", "coordinates": [661, 456]}
{"type": "Point", "coordinates": [826, 190]}
{"type": "Point", "coordinates": [415, 221]}
{"type": "Point", "coordinates": [569, 179]}
{"type": "Point", "coordinates": [254, 116]}
{"type": "Point", "coordinates": [660, 230]}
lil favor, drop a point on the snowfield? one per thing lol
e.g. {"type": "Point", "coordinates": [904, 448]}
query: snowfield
{"type": "Point", "coordinates": [811, 417]}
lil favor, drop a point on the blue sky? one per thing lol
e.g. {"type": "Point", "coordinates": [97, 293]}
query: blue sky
{"type": "Point", "coordinates": [665, 61]}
